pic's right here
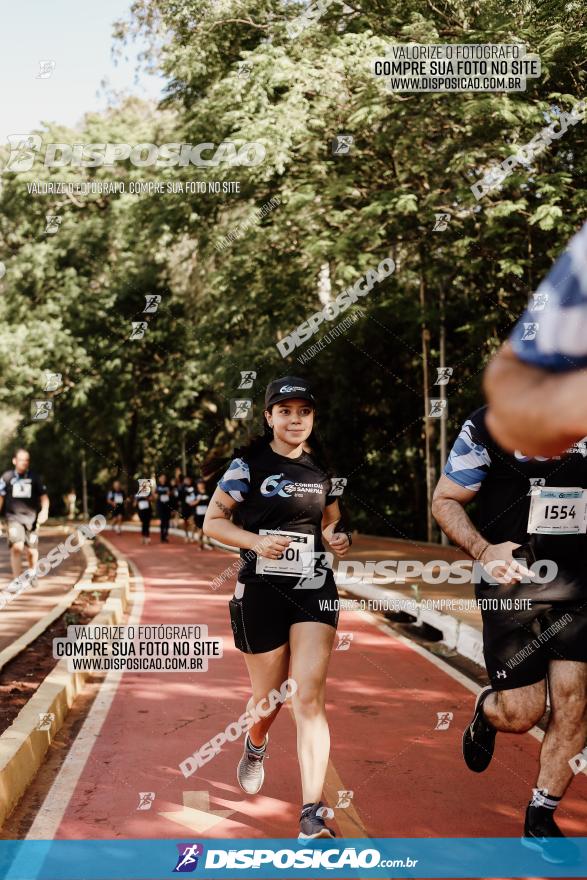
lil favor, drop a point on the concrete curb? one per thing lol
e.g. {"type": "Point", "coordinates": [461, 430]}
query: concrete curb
{"type": "Point", "coordinates": [24, 744]}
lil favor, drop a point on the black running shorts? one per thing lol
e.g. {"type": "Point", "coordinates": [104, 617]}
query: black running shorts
{"type": "Point", "coordinates": [518, 643]}
{"type": "Point", "coordinates": [262, 613]}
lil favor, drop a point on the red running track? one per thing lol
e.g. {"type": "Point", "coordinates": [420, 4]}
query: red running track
{"type": "Point", "coordinates": [383, 694]}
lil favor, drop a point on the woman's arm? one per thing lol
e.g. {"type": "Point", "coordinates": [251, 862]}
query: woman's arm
{"type": "Point", "coordinates": [218, 524]}
{"type": "Point", "coordinates": [339, 541]}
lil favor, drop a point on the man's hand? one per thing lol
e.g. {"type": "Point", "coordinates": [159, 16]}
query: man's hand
{"type": "Point", "coordinates": [339, 543]}
{"type": "Point", "coordinates": [502, 567]}
{"type": "Point", "coordinates": [271, 546]}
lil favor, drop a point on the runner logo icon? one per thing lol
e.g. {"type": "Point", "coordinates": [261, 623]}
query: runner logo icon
{"type": "Point", "coordinates": [187, 860]}
{"type": "Point", "coordinates": [316, 577]}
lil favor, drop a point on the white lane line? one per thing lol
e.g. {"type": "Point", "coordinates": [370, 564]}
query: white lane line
{"type": "Point", "coordinates": [59, 795]}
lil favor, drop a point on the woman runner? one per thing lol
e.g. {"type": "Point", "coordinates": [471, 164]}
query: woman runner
{"type": "Point", "coordinates": [163, 496]}
{"type": "Point", "coordinates": [202, 504]}
{"type": "Point", "coordinates": [284, 610]}
{"type": "Point", "coordinates": [145, 511]}
{"type": "Point", "coordinates": [187, 502]}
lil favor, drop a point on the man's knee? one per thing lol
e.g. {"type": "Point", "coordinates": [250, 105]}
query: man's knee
{"type": "Point", "coordinates": [521, 710]}
{"type": "Point", "coordinates": [17, 547]}
{"type": "Point", "coordinates": [569, 704]}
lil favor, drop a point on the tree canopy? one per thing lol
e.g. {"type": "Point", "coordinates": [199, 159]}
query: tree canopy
{"type": "Point", "coordinates": [69, 298]}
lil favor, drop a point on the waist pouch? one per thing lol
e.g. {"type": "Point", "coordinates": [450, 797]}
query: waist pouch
{"type": "Point", "coordinates": [237, 623]}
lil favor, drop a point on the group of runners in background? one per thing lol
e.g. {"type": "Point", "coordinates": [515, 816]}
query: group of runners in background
{"type": "Point", "coordinates": [171, 500]}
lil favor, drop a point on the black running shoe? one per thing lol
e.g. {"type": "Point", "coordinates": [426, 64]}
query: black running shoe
{"type": "Point", "coordinates": [313, 826]}
{"type": "Point", "coordinates": [479, 738]}
{"type": "Point", "coordinates": [542, 834]}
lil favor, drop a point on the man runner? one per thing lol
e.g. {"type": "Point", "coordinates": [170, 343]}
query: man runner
{"type": "Point", "coordinates": [538, 632]}
{"type": "Point", "coordinates": [24, 500]}
{"type": "Point", "coordinates": [537, 383]}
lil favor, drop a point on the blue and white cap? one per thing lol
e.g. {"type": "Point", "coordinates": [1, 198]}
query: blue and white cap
{"type": "Point", "coordinates": [287, 388]}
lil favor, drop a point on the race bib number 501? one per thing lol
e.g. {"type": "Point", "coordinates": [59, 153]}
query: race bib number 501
{"type": "Point", "coordinates": [295, 561]}
{"type": "Point", "coordinates": [558, 510]}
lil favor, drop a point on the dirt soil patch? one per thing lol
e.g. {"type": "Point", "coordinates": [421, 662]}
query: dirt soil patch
{"type": "Point", "coordinates": [20, 678]}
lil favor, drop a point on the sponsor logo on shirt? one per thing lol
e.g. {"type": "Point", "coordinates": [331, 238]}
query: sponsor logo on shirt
{"type": "Point", "coordinates": [277, 485]}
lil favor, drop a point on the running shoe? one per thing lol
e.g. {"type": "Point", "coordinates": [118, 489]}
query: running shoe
{"type": "Point", "coordinates": [313, 826]}
{"type": "Point", "coordinates": [479, 737]}
{"type": "Point", "coordinates": [15, 586]}
{"type": "Point", "coordinates": [250, 772]}
{"type": "Point", "coordinates": [542, 834]}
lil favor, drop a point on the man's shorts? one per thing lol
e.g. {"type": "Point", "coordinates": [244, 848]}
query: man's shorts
{"type": "Point", "coordinates": [200, 517]}
{"type": "Point", "coordinates": [518, 643]}
{"type": "Point", "coordinates": [18, 533]}
{"type": "Point", "coordinates": [261, 613]}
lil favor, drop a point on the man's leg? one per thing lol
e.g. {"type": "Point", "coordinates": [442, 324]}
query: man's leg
{"type": "Point", "coordinates": [566, 733]}
{"type": "Point", "coordinates": [16, 542]}
{"type": "Point", "coordinates": [564, 738]}
{"type": "Point", "coordinates": [16, 551]}
{"type": "Point", "coordinates": [33, 556]}
{"type": "Point", "coordinates": [516, 710]}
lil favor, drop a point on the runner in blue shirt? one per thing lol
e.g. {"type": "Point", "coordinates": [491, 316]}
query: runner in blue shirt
{"type": "Point", "coordinates": [537, 383]}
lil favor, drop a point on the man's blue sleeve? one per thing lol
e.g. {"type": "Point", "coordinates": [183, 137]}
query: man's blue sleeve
{"type": "Point", "coordinates": [469, 461]}
{"type": "Point", "coordinates": [552, 332]}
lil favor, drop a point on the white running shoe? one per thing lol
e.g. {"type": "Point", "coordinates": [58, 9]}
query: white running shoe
{"type": "Point", "coordinates": [250, 772]}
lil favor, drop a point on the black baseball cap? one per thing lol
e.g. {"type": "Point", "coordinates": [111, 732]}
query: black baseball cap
{"type": "Point", "coordinates": [287, 388]}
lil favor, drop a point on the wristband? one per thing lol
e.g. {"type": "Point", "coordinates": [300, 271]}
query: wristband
{"type": "Point", "coordinates": [478, 557]}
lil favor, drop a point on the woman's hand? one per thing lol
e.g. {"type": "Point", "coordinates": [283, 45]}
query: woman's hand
{"type": "Point", "coordinates": [339, 543]}
{"type": "Point", "coordinates": [271, 546]}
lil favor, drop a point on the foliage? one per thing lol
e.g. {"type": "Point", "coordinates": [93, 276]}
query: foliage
{"type": "Point", "coordinates": [68, 299]}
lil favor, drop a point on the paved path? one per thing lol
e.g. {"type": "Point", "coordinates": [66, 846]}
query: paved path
{"type": "Point", "coordinates": [29, 607]}
{"type": "Point", "coordinates": [384, 695]}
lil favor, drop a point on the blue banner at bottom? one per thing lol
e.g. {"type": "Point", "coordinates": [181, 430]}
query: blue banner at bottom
{"type": "Point", "coordinates": [288, 858]}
